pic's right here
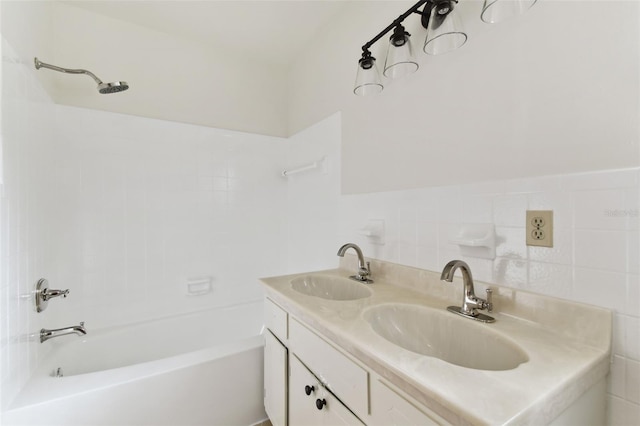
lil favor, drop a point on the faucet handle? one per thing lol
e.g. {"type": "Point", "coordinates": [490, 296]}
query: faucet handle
{"type": "Point", "coordinates": [48, 294]}
{"type": "Point", "coordinates": [489, 300]}
{"type": "Point", "coordinates": [365, 271]}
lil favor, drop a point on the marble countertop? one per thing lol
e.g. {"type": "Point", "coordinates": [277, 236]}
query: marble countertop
{"type": "Point", "coordinates": [568, 345]}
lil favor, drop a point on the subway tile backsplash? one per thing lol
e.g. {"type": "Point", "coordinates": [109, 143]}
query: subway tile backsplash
{"type": "Point", "coordinates": [594, 259]}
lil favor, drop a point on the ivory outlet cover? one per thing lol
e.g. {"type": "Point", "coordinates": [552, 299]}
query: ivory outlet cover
{"type": "Point", "coordinates": [540, 228]}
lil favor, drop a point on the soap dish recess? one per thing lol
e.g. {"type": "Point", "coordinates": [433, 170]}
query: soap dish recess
{"type": "Point", "coordinates": [374, 231]}
{"type": "Point", "coordinates": [476, 240]}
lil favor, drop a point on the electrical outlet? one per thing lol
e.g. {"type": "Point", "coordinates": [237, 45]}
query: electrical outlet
{"type": "Point", "coordinates": [540, 228]}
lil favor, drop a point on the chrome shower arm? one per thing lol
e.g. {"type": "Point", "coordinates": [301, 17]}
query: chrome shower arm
{"type": "Point", "coordinates": [39, 64]}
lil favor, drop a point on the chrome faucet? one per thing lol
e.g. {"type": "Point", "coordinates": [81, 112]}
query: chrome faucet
{"type": "Point", "coordinates": [364, 270]}
{"type": "Point", "coordinates": [50, 334]}
{"type": "Point", "coordinates": [470, 302]}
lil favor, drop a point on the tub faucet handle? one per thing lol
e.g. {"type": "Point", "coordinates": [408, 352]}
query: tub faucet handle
{"type": "Point", "coordinates": [43, 294]}
{"type": "Point", "coordinates": [50, 294]}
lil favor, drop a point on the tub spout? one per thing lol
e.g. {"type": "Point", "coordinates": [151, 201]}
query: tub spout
{"type": "Point", "coordinates": [50, 334]}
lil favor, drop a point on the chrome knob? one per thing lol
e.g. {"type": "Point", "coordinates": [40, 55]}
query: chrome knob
{"type": "Point", "coordinates": [489, 300]}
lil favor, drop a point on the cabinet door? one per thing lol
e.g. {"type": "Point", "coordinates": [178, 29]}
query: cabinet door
{"type": "Point", "coordinates": [319, 407]}
{"type": "Point", "coordinates": [302, 408]}
{"type": "Point", "coordinates": [275, 380]}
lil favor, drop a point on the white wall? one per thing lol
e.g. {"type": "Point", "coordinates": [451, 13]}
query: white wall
{"type": "Point", "coordinates": [26, 131]}
{"type": "Point", "coordinates": [553, 92]}
{"type": "Point", "coordinates": [313, 197]}
{"type": "Point", "coordinates": [170, 78]}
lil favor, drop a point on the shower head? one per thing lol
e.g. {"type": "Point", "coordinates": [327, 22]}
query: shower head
{"type": "Point", "coordinates": [103, 88]}
{"type": "Point", "coordinates": [115, 87]}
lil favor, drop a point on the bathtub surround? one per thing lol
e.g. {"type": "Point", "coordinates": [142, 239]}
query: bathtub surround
{"type": "Point", "coordinates": [126, 212]}
{"type": "Point", "coordinates": [151, 207]}
{"type": "Point", "coordinates": [123, 211]}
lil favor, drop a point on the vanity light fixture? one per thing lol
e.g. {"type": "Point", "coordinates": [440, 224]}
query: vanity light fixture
{"type": "Point", "coordinates": [368, 78]}
{"type": "Point", "coordinates": [444, 34]}
{"type": "Point", "coordinates": [399, 61]}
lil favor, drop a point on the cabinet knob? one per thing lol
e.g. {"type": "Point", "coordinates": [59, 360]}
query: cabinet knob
{"type": "Point", "coordinates": [320, 403]}
{"type": "Point", "coordinates": [308, 389]}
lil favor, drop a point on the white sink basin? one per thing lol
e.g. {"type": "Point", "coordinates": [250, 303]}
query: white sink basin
{"type": "Point", "coordinates": [330, 287]}
{"type": "Point", "coordinates": [442, 335]}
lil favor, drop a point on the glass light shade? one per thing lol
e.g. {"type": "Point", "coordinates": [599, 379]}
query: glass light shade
{"type": "Point", "coordinates": [399, 61]}
{"type": "Point", "coordinates": [495, 11]}
{"type": "Point", "coordinates": [444, 33]}
{"type": "Point", "coordinates": [368, 79]}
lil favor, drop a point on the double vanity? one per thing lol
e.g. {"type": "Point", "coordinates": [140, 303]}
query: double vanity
{"type": "Point", "coordinates": [339, 351]}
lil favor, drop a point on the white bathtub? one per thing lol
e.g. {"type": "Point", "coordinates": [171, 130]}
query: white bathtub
{"type": "Point", "coordinates": [195, 369]}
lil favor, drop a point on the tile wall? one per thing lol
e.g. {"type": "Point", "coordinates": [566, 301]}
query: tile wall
{"type": "Point", "coordinates": [26, 133]}
{"type": "Point", "coordinates": [594, 260]}
{"type": "Point", "coordinates": [143, 206]}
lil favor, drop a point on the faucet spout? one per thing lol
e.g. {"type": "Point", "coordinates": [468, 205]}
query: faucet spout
{"type": "Point", "coordinates": [343, 249]}
{"type": "Point", "coordinates": [470, 302]}
{"type": "Point", "coordinates": [363, 268]}
{"type": "Point", "coordinates": [45, 334]}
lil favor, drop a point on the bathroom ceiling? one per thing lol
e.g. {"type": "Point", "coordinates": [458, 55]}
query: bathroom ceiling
{"type": "Point", "coordinates": [269, 30]}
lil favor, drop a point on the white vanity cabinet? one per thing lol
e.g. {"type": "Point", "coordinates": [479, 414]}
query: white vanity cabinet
{"type": "Point", "coordinates": [308, 382]}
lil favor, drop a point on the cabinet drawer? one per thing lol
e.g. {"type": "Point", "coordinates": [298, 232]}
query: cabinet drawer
{"type": "Point", "coordinates": [389, 408]}
{"type": "Point", "coordinates": [347, 380]}
{"type": "Point", "coordinates": [306, 392]}
{"type": "Point", "coordinates": [275, 319]}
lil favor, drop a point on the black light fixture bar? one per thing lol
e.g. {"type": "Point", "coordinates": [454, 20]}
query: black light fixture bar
{"type": "Point", "coordinates": [413, 9]}
{"type": "Point", "coordinates": [444, 33]}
